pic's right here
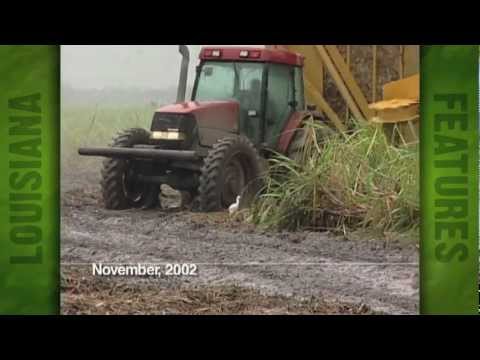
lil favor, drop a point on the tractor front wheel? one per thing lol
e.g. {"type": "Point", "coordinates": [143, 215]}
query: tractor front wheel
{"type": "Point", "coordinates": [121, 188]}
{"type": "Point", "coordinates": [232, 168]}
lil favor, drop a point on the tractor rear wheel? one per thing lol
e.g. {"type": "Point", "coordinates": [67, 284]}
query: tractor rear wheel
{"type": "Point", "coordinates": [301, 139]}
{"type": "Point", "coordinates": [296, 148]}
{"type": "Point", "coordinates": [232, 168]}
{"type": "Point", "coordinates": [121, 188]}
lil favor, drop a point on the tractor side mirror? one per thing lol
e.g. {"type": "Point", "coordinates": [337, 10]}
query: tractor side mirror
{"type": "Point", "coordinates": [312, 107]}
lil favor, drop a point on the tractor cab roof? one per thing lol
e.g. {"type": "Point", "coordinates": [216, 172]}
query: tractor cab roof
{"type": "Point", "coordinates": [251, 54]}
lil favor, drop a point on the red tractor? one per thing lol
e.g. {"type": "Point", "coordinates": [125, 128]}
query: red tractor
{"type": "Point", "coordinates": [245, 103]}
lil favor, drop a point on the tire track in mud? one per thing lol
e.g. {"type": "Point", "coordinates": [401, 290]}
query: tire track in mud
{"type": "Point", "coordinates": [303, 264]}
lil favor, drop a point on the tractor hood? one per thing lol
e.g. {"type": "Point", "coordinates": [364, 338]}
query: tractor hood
{"type": "Point", "coordinates": [208, 114]}
{"type": "Point", "coordinates": [212, 119]}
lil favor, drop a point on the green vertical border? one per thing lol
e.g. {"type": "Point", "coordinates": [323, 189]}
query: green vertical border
{"type": "Point", "coordinates": [29, 257]}
{"type": "Point", "coordinates": [449, 262]}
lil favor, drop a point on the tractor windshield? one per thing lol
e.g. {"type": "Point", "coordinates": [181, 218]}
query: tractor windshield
{"type": "Point", "coordinates": [240, 81]}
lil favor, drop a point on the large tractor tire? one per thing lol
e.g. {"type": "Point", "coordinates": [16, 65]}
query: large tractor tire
{"type": "Point", "coordinates": [232, 168]}
{"type": "Point", "coordinates": [296, 148]}
{"type": "Point", "coordinates": [120, 187]}
{"type": "Point", "coordinates": [301, 138]}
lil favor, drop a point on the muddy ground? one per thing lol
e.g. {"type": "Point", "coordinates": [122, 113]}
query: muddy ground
{"type": "Point", "coordinates": [241, 270]}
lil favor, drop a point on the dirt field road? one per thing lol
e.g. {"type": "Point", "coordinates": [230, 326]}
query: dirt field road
{"type": "Point", "coordinates": [364, 275]}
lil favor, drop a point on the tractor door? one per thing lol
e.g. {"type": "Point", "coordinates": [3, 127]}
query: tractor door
{"type": "Point", "coordinates": [284, 97]}
{"type": "Point", "coordinates": [251, 79]}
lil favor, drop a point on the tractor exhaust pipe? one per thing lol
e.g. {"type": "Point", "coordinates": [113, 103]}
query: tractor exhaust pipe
{"type": "Point", "coordinates": [182, 82]}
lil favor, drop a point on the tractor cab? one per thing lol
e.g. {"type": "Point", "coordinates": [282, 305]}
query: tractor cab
{"type": "Point", "coordinates": [267, 84]}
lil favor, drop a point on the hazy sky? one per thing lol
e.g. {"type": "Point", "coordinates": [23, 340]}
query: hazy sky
{"type": "Point", "coordinates": [144, 66]}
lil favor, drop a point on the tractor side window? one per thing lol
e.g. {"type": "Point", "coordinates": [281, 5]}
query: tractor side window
{"type": "Point", "coordinates": [250, 96]}
{"type": "Point", "coordinates": [279, 100]}
{"type": "Point", "coordinates": [299, 92]}
{"type": "Point", "coordinates": [216, 82]}
{"type": "Point", "coordinates": [250, 76]}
